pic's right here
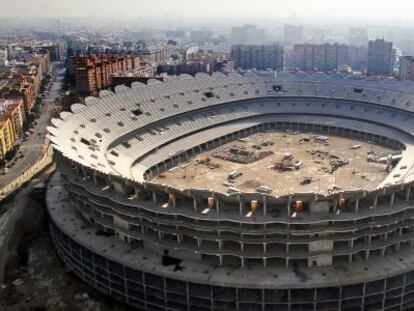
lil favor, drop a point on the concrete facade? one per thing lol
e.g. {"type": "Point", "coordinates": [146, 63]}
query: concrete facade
{"type": "Point", "coordinates": [158, 247]}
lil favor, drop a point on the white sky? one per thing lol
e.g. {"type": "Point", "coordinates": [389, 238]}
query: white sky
{"type": "Point", "coordinates": [399, 10]}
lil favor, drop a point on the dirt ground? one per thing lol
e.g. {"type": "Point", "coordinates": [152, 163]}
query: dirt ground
{"type": "Point", "coordinates": [315, 156]}
{"type": "Point", "coordinates": [37, 280]}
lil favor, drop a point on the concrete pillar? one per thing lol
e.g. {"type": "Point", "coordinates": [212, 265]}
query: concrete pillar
{"type": "Point", "coordinates": [174, 202]}
{"type": "Point", "coordinates": [356, 205]}
{"type": "Point", "coordinates": [220, 260]}
{"type": "Point", "coordinates": [217, 206]}
{"type": "Point", "coordinates": [242, 247]}
{"type": "Point", "coordinates": [374, 205]}
{"type": "Point", "coordinates": [367, 255]}
{"type": "Point", "coordinates": [83, 172]}
{"type": "Point", "coordinates": [350, 258]}
{"type": "Point", "coordinates": [154, 197]}
{"type": "Point", "coordinates": [288, 205]}
{"type": "Point", "coordinates": [392, 199]}
{"type": "Point", "coordinates": [264, 206]}
{"type": "Point", "coordinates": [264, 262]}
{"type": "Point", "coordinates": [240, 204]}
{"type": "Point", "coordinates": [195, 204]}
{"type": "Point", "coordinates": [407, 194]}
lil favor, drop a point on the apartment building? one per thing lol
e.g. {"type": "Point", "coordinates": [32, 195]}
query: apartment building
{"type": "Point", "coordinates": [93, 73]}
{"type": "Point", "coordinates": [260, 57]}
{"type": "Point", "coordinates": [380, 57]}
{"type": "Point", "coordinates": [406, 70]}
{"type": "Point", "coordinates": [319, 57]}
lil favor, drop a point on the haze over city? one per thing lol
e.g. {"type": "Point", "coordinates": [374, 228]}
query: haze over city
{"type": "Point", "coordinates": [364, 11]}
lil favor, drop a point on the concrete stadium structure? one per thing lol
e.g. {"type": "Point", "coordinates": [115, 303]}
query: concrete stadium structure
{"type": "Point", "coordinates": [156, 247]}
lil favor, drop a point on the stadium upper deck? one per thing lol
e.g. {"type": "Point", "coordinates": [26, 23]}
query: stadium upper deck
{"type": "Point", "coordinates": [127, 133]}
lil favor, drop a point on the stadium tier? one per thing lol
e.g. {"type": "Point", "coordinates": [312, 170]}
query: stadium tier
{"type": "Point", "coordinates": [240, 192]}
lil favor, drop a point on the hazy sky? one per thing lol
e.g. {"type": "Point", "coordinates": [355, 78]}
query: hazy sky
{"type": "Point", "coordinates": [400, 10]}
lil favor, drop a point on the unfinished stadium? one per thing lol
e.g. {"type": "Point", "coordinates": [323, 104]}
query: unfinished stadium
{"type": "Point", "coordinates": [240, 192]}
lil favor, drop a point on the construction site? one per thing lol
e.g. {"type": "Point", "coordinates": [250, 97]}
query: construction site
{"type": "Point", "coordinates": [285, 162]}
{"type": "Point", "coordinates": [239, 193]}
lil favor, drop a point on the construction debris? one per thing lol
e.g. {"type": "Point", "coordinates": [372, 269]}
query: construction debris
{"type": "Point", "coordinates": [267, 143]}
{"type": "Point", "coordinates": [207, 162]}
{"type": "Point", "coordinates": [306, 180]}
{"type": "Point", "coordinates": [286, 164]}
{"type": "Point", "coordinates": [240, 154]}
{"type": "Point", "coordinates": [321, 139]}
{"type": "Point", "coordinates": [304, 140]}
{"type": "Point", "coordinates": [233, 175]}
{"type": "Point", "coordinates": [335, 162]}
{"type": "Point", "coordinates": [264, 189]}
{"type": "Point", "coordinates": [232, 190]}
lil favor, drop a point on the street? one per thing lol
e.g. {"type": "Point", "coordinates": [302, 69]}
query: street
{"type": "Point", "coordinates": [34, 148]}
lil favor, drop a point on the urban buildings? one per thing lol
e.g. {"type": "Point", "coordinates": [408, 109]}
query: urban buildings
{"type": "Point", "coordinates": [319, 57]}
{"type": "Point", "coordinates": [55, 52]}
{"type": "Point", "coordinates": [175, 34]}
{"type": "Point", "coordinates": [357, 57]}
{"type": "Point", "coordinates": [13, 109]}
{"type": "Point", "coordinates": [19, 85]}
{"type": "Point", "coordinates": [198, 61]}
{"type": "Point", "coordinates": [43, 60]}
{"type": "Point", "coordinates": [155, 53]}
{"type": "Point", "coordinates": [93, 73]}
{"type": "Point", "coordinates": [406, 71]}
{"type": "Point", "coordinates": [260, 57]}
{"type": "Point", "coordinates": [18, 90]}
{"type": "Point", "coordinates": [7, 137]}
{"type": "Point", "coordinates": [247, 34]}
{"type": "Point", "coordinates": [148, 208]}
{"type": "Point", "coordinates": [201, 36]}
{"type": "Point", "coordinates": [293, 34]}
{"type": "Point", "coordinates": [380, 57]}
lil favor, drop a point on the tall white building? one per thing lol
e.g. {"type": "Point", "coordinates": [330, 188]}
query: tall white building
{"type": "Point", "coordinates": [247, 34]}
{"type": "Point", "coordinates": [380, 57]}
{"type": "Point", "coordinates": [322, 57]}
